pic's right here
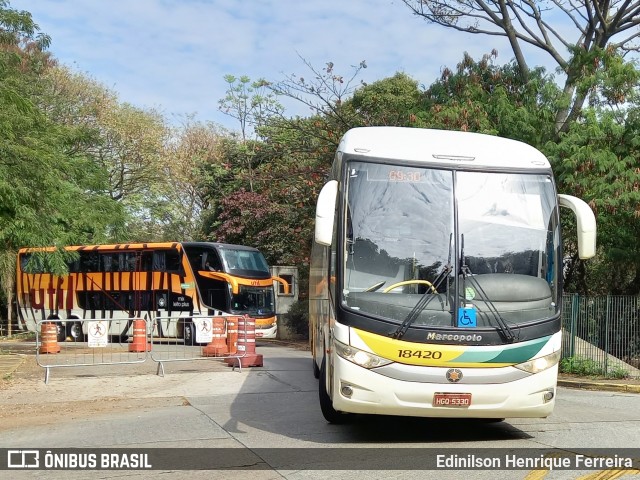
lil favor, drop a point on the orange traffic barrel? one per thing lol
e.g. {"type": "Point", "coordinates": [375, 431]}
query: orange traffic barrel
{"type": "Point", "coordinates": [246, 354]}
{"type": "Point", "coordinates": [232, 335]}
{"type": "Point", "coordinates": [247, 341]}
{"type": "Point", "coordinates": [139, 342]}
{"type": "Point", "coordinates": [49, 335]}
{"type": "Point", "coordinates": [218, 344]}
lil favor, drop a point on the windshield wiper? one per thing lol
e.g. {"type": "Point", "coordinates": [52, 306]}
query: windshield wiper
{"type": "Point", "coordinates": [465, 271]}
{"type": "Point", "coordinates": [425, 299]}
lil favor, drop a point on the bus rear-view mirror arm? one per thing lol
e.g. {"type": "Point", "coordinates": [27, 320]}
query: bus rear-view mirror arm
{"type": "Point", "coordinates": [285, 284]}
{"type": "Point", "coordinates": [230, 279]}
{"type": "Point", "coordinates": [586, 224]}
{"type": "Point", "coordinates": [325, 213]}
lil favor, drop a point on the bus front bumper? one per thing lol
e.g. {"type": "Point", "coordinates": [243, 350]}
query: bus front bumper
{"type": "Point", "coordinates": [359, 390]}
{"type": "Point", "coordinates": [266, 331]}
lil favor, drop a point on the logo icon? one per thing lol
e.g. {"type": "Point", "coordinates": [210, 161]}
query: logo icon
{"type": "Point", "coordinates": [23, 458]}
{"type": "Point", "coordinates": [454, 375]}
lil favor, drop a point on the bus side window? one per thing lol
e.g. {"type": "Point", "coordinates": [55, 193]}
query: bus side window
{"type": "Point", "coordinates": [159, 261]}
{"type": "Point", "coordinates": [89, 262]}
{"type": "Point", "coordinates": [31, 264]}
{"type": "Point", "coordinates": [165, 261]}
{"type": "Point", "coordinates": [213, 262]}
{"type": "Point", "coordinates": [24, 261]}
{"type": "Point", "coordinates": [172, 261]}
{"type": "Point", "coordinates": [74, 265]}
{"type": "Point", "coordinates": [146, 261]}
{"type": "Point", "coordinates": [131, 261]}
{"type": "Point", "coordinates": [107, 262]}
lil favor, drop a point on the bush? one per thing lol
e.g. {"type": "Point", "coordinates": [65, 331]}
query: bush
{"type": "Point", "coordinates": [580, 366]}
{"type": "Point", "coordinates": [590, 368]}
{"type": "Point", "coordinates": [297, 319]}
{"type": "Point", "coordinates": [618, 373]}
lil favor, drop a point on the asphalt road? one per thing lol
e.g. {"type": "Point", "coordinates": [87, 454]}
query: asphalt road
{"type": "Point", "coordinates": [271, 413]}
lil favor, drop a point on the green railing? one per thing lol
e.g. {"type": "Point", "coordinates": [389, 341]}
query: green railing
{"type": "Point", "coordinates": [602, 334]}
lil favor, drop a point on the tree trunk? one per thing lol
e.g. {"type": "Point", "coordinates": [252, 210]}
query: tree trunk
{"type": "Point", "coordinates": [9, 312]}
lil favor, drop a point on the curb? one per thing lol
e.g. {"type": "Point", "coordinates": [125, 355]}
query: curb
{"type": "Point", "coordinates": [610, 387]}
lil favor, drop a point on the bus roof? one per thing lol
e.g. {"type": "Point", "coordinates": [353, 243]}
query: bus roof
{"type": "Point", "coordinates": [423, 145]}
{"type": "Point", "coordinates": [139, 246]}
{"type": "Point", "coordinates": [113, 246]}
{"type": "Point", "coordinates": [224, 246]}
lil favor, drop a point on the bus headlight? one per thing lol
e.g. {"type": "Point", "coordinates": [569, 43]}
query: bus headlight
{"type": "Point", "coordinates": [359, 357]}
{"type": "Point", "coordinates": [539, 364]}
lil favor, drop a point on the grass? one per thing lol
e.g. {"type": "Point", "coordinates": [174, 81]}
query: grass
{"type": "Point", "coordinates": [586, 367]}
{"type": "Point", "coordinates": [20, 336]}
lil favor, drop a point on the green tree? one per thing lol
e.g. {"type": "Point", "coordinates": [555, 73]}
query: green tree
{"type": "Point", "coordinates": [481, 96]}
{"type": "Point", "coordinates": [252, 104]}
{"type": "Point", "coordinates": [598, 160]}
{"type": "Point", "coordinates": [198, 172]}
{"type": "Point", "coordinates": [125, 142]}
{"type": "Point", "coordinates": [393, 101]}
{"type": "Point", "coordinates": [49, 194]}
{"type": "Point", "coordinates": [603, 33]}
{"type": "Point", "coordinates": [250, 218]}
{"type": "Point", "coordinates": [325, 94]}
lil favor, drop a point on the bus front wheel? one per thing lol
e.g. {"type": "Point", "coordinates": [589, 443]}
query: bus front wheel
{"type": "Point", "coordinates": [316, 370]}
{"type": "Point", "coordinates": [189, 333]}
{"type": "Point", "coordinates": [61, 332]}
{"type": "Point", "coordinates": [74, 330]}
{"type": "Point", "coordinates": [330, 414]}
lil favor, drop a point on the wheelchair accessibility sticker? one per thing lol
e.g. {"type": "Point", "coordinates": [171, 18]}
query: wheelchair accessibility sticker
{"type": "Point", "coordinates": [467, 317]}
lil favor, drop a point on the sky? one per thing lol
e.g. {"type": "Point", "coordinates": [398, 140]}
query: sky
{"type": "Point", "coordinates": [172, 55]}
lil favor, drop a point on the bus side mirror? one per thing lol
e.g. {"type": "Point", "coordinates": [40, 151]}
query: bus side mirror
{"type": "Point", "coordinates": [586, 223]}
{"type": "Point", "coordinates": [325, 213]}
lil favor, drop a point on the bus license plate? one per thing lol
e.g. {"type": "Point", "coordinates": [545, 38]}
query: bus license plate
{"type": "Point", "coordinates": [454, 400]}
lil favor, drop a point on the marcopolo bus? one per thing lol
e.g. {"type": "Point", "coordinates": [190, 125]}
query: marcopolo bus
{"type": "Point", "coordinates": [170, 282]}
{"type": "Point", "coordinates": [436, 276]}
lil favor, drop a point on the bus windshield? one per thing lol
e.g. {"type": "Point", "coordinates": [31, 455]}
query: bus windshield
{"type": "Point", "coordinates": [244, 262]}
{"type": "Point", "coordinates": [414, 232]}
{"type": "Point", "coordinates": [256, 301]}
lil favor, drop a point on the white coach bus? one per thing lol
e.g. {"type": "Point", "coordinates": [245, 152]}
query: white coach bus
{"type": "Point", "coordinates": [436, 276]}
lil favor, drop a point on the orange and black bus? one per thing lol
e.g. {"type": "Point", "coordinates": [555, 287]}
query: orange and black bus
{"type": "Point", "coordinates": [170, 282]}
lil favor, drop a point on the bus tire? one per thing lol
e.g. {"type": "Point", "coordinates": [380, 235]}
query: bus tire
{"type": "Point", "coordinates": [330, 414]}
{"type": "Point", "coordinates": [119, 338]}
{"type": "Point", "coordinates": [189, 333]}
{"type": "Point", "coordinates": [74, 330]}
{"type": "Point", "coordinates": [316, 370]}
{"type": "Point", "coordinates": [61, 332]}
{"type": "Point", "coordinates": [490, 420]}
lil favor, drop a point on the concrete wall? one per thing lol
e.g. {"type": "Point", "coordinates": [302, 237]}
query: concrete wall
{"type": "Point", "coordinates": [284, 301]}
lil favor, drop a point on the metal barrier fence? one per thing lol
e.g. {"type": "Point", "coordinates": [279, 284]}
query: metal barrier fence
{"type": "Point", "coordinates": [98, 349]}
{"type": "Point", "coordinates": [206, 337]}
{"type": "Point", "coordinates": [228, 338]}
{"type": "Point", "coordinates": [603, 331]}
